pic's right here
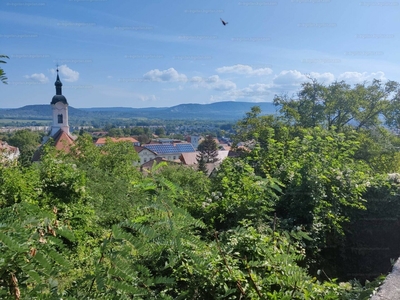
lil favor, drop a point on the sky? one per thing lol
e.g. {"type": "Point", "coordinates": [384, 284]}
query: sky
{"type": "Point", "coordinates": [153, 53]}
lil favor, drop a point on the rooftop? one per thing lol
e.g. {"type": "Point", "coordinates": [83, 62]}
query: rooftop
{"type": "Point", "coordinates": [170, 148]}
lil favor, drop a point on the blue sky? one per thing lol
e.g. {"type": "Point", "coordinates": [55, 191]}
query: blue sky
{"type": "Point", "coordinates": [164, 53]}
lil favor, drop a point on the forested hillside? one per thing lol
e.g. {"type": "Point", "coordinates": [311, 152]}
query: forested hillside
{"type": "Point", "coordinates": [267, 225]}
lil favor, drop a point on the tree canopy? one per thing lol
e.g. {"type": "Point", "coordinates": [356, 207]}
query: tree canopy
{"type": "Point", "coordinates": [338, 104]}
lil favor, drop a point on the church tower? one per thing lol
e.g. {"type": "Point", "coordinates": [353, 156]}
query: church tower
{"type": "Point", "coordinates": [59, 107]}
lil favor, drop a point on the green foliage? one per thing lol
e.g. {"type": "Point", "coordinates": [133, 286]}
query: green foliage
{"type": "Point", "coordinates": [338, 104]}
{"type": "Point", "coordinates": [379, 149]}
{"type": "Point", "coordinates": [322, 179]}
{"type": "Point", "coordinates": [193, 186]}
{"type": "Point", "coordinates": [323, 182]}
{"type": "Point", "coordinates": [208, 149]}
{"type": "Point", "coordinates": [33, 253]}
{"type": "Point", "coordinates": [27, 141]}
{"type": "Point", "coordinates": [238, 194]}
{"type": "Point", "coordinates": [3, 77]}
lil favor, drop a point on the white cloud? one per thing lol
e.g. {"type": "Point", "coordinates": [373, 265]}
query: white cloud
{"type": "Point", "coordinates": [66, 73]}
{"type": "Point", "coordinates": [255, 92]}
{"type": "Point", "coordinates": [289, 81]}
{"type": "Point", "coordinates": [38, 77]}
{"type": "Point", "coordinates": [170, 75]}
{"type": "Point", "coordinates": [179, 88]}
{"type": "Point", "coordinates": [213, 82]}
{"type": "Point", "coordinates": [146, 98]}
{"type": "Point", "coordinates": [244, 70]}
{"type": "Point", "coordinates": [292, 79]}
{"type": "Point", "coordinates": [325, 78]}
{"type": "Point", "coordinates": [356, 77]}
{"type": "Point", "coordinates": [289, 78]}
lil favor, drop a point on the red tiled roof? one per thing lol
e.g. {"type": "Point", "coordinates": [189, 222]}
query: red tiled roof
{"type": "Point", "coordinates": [189, 158]}
{"type": "Point", "coordinates": [63, 141]}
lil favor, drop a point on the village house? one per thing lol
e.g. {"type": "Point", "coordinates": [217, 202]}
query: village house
{"type": "Point", "coordinates": [8, 153]}
{"type": "Point", "coordinates": [145, 155]}
{"type": "Point", "coordinates": [169, 151]}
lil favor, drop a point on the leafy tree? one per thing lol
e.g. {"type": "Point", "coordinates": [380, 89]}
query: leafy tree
{"type": "Point", "coordinates": [208, 153]}
{"type": "Point", "coordinates": [160, 131]}
{"type": "Point", "coordinates": [379, 148]}
{"type": "Point", "coordinates": [202, 164]}
{"type": "Point", "coordinates": [209, 149]}
{"type": "Point", "coordinates": [27, 141]}
{"type": "Point", "coordinates": [115, 132]}
{"type": "Point", "coordinates": [193, 186]}
{"type": "Point", "coordinates": [238, 194]}
{"type": "Point", "coordinates": [34, 257]}
{"type": "Point", "coordinates": [3, 77]}
{"type": "Point", "coordinates": [109, 170]}
{"type": "Point", "coordinates": [143, 139]}
{"type": "Point", "coordinates": [338, 104]}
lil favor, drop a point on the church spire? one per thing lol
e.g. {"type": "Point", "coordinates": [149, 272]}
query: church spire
{"type": "Point", "coordinates": [58, 84]}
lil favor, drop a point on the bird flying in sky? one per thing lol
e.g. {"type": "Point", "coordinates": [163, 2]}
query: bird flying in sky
{"type": "Point", "coordinates": [223, 22]}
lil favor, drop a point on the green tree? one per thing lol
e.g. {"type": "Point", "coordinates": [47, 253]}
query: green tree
{"type": "Point", "coordinates": [27, 141]}
{"type": "Point", "coordinates": [238, 194]}
{"type": "Point", "coordinates": [115, 132]}
{"type": "Point", "coordinates": [3, 77]}
{"type": "Point", "coordinates": [339, 104]}
{"type": "Point", "coordinates": [160, 131]}
{"type": "Point", "coordinates": [208, 149]}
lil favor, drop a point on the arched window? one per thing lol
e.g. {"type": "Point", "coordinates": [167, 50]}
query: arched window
{"type": "Point", "coordinates": [60, 118]}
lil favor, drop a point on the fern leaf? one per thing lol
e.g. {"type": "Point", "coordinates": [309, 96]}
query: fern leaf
{"type": "Point", "coordinates": [134, 291]}
{"type": "Point", "coordinates": [58, 258]}
{"type": "Point", "coordinates": [43, 261]}
{"type": "Point", "coordinates": [66, 233]}
{"type": "Point", "coordinates": [34, 276]}
{"type": "Point", "coordinates": [10, 243]}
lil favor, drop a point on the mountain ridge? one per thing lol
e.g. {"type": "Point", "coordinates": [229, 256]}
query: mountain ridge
{"type": "Point", "coordinates": [225, 110]}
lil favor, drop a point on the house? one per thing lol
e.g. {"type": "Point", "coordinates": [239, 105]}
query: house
{"type": "Point", "coordinates": [145, 154]}
{"type": "Point", "coordinates": [8, 153]}
{"type": "Point", "coordinates": [103, 140]}
{"type": "Point", "coordinates": [190, 159]}
{"type": "Point", "coordinates": [195, 140]}
{"type": "Point", "coordinates": [169, 151]}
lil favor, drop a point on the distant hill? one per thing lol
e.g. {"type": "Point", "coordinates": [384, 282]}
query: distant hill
{"type": "Point", "coordinates": [228, 110]}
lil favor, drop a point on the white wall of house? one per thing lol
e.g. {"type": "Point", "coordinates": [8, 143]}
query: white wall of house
{"type": "Point", "coordinates": [145, 155]}
{"type": "Point", "coordinates": [195, 141]}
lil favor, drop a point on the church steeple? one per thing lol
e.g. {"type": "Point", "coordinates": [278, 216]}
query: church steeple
{"type": "Point", "coordinates": [59, 107]}
{"type": "Point", "coordinates": [59, 97]}
{"type": "Point", "coordinates": [58, 85]}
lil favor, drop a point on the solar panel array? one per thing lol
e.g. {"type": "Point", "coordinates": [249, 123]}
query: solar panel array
{"type": "Point", "coordinates": [168, 148]}
{"type": "Point", "coordinates": [185, 148]}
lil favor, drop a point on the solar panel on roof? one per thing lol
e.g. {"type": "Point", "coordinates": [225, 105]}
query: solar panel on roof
{"type": "Point", "coordinates": [164, 149]}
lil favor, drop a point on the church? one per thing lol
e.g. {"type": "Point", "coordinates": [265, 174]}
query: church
{"type": "Point", "coordinates": [59, 132]}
